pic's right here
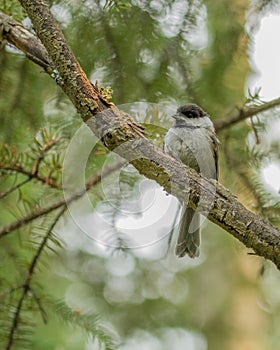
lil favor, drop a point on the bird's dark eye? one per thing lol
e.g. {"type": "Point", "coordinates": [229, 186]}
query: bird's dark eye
{"type": "Point", "coordinates": [192, 114]}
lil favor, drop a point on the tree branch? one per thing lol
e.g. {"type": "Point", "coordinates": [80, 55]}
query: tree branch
{"type": "Point", "coordinates": [16, 34]}
{"type": "Point", "coordinates": [34, 174]}
{"type": "Point", "coordinates": [244, 113]}
{"type": "Point", "coordinates": [53, 206]}
{"type": "Point", "coordinates": [31, 176]}
{"type": "Point", "coordinates": [119, 133]}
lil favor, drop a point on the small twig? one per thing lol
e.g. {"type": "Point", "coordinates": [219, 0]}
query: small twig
{"type": "Point", "coordinates": [47, 147]}
{"type": "Point", "coordinates": [12, 189]}
{"type": "Point", "coordinates": [40, 306]}
{"type": "Point", "coordinates": [255, 131]}
{"type": "Point", "coordinates": [31, 175]}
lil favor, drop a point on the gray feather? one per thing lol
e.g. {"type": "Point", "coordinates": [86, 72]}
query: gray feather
{"type": "Point", "coordinates": [189, 234]}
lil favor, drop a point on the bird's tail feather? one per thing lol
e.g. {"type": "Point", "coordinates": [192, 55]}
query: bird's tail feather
{"type": "Point", "coordinates": [189, 234]}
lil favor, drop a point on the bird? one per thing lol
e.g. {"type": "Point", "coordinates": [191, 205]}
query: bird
{"type": "Point", "coordinates": [192, 140]}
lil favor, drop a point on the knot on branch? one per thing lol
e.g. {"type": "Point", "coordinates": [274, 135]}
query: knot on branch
{"type": "Point", "coordinates": [115, 128]}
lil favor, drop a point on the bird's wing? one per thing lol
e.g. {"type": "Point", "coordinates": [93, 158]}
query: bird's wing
{"type": "Point", "coordinates": [215, 143]}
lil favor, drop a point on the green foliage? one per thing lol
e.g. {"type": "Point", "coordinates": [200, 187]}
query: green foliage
{"type": "Point", "coordinates": [12, 7]}
{"type": "Point", "coordinates": [87, 322]}
{"type": "Point", "coordinates": [117, 5]}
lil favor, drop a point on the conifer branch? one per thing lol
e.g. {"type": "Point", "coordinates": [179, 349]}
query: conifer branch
{"type": "Point", "coordinates": [30, 176]}
{"type": "Point", "coordinates": [27, 284]}
{"type": "Point", "coordinates": [11, 164]}
{"type": "Point", "coordinates": [95, 179]}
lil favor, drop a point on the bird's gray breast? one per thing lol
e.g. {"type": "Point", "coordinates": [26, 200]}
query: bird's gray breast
{"type": "Point", "coordinates": [193, 147]}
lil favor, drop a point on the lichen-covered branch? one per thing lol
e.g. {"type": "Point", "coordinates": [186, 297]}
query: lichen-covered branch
{"type": "Point", "coordinates": [16, 34]}
{"type": "Point", "coordinates": [120, 134]}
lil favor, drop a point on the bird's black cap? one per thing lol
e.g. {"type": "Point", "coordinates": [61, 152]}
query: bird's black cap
{"type": "Point", "coordinates": [191, 110]}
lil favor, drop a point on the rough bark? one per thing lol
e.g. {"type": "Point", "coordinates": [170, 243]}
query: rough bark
{"type": "Point", "coordinates": [16, 34]}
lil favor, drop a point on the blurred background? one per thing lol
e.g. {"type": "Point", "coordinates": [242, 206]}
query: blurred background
{"type": "Point", "coordinates": [102, 273]}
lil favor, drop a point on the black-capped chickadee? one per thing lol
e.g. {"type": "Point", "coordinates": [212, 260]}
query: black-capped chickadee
{"type": "Point", "coordinates": [193, 141]}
